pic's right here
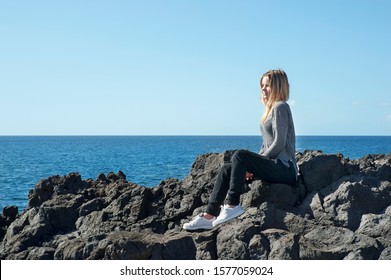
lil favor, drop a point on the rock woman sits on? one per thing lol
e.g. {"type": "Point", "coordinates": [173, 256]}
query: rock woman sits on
{"type": "Point", "coordinates": [275, 162]}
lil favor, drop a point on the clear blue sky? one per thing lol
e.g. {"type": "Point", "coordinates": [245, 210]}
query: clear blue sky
{"type": "Point", "coordinates": [192, 67]}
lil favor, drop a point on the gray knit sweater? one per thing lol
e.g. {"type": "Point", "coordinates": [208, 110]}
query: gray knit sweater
{"type": "Point", "coordinates": [278, 133]}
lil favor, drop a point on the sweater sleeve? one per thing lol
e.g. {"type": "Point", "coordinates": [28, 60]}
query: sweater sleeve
{"type": "Point", "coordinates": [280, 123]}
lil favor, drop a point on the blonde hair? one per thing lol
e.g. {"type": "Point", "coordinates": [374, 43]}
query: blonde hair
{"type": "Point", "coordinates": [279, 89]}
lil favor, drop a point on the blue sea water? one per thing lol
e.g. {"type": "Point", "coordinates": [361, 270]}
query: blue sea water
{"type": "Point", "coordinates": [146, 160]}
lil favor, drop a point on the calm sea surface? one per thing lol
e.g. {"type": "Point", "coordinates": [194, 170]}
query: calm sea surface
{"type": "Point", "coordinates": [146, 160]}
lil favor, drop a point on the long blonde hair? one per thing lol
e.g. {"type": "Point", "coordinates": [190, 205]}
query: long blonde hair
{"type": "Point", "coordinates": [279, 89]}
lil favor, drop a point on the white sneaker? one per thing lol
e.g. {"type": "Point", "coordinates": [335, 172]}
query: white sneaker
{"type": "Point", "coordinates": [199, 222]}
{"type": "Point", "coordinates": [227, 213]}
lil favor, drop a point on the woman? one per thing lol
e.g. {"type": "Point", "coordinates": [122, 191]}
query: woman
{"type": "Point", "coordinates": [275, 162]}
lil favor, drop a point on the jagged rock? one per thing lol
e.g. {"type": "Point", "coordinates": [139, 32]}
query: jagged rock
{"type": "Point", "coordinates": [260, 191]}
{"type": "Point", "coordinates": [386, 254]}
{"type": "Point", "coordinates": [55, 185]}
{"type": "Point", "coordinates": [313, 163]}
{"type": "Point", "coordinates": [345, 201]}
{"type": "Point", "coordinates": [233, 239]}
{"type": "Point", "coordinates": [334, 243]}
{"type": "Point", "coordinates": [283, 245]}
{"type": "Point", "coordinates": [377, 226]}
{"type": "Point", "coordinates": [206, 245]}
{"type": "Point", "coordinates": [10, 213]}
{"type": "Point", "coordinates": [340, 209]}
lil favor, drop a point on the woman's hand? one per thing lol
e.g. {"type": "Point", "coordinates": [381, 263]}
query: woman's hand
{"type": "Point", "coordinates": [249, 177]}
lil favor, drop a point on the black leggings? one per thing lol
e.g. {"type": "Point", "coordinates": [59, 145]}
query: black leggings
{"type": "Point", "coordinates": [231, 178]}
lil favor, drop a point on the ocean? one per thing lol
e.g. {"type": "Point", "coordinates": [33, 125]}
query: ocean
{"type": "Point", "coordinates": [146, 160]}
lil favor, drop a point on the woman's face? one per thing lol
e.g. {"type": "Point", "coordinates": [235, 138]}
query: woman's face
{"type": "Point", "coordinates": [265, 87]}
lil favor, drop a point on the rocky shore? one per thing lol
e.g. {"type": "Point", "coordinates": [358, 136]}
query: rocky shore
{"type": "Point", "coordinates": [340, 209]}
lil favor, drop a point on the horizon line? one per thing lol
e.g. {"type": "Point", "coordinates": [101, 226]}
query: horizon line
{"type": "Point", "coordinates": [182, 135]}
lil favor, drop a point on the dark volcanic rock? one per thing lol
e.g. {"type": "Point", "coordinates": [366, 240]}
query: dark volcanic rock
{"type": "Point", "coordinates": [314, 163]}
{"type": "Point", "coordinates": [340, 209]}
